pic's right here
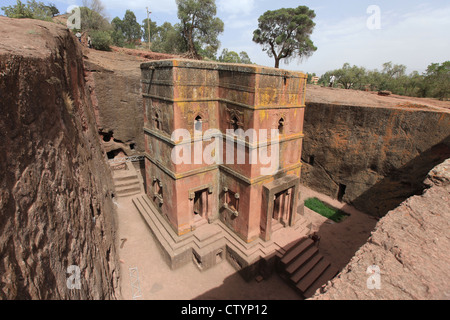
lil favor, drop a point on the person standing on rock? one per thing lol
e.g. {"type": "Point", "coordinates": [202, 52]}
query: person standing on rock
{"type": "Point", "coordinates": [78, 35]}
{"type": "Point", "coordinates": [332, 80]}
{"type": "Point", "coordinates": [89, 40]}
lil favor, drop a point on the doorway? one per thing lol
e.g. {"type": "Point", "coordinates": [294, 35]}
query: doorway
{"type": "Point", "coordinates": [200, 208]}
{"type": "Point", "coordinates": [282, 209]}
{"type": "Point", "coordinates": [279, 205]}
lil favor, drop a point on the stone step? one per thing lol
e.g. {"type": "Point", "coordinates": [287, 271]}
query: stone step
{"type": "Point", "coordinates": [301, 259]}
{"type": "Point", "coordinates": [151, 223]}
{"type": "Point", "coordinates": [301, 223]}
{"type": "Point", "coordinates": [326, 276]}
{"type": "Point", "coordinates": [288, 247]}
{"type": "Point", "coordinates": [159, 219]}
{"type": "Point", "coordinates": [125, 177]}
{"type": "Point", "coordinates": [126, 183]}
{"type": "Point", "coordinates": [300, 273]}
{"type": "Point", "coordinates": [277, 226]}
{"type": "Point", "coordinates": [296, 250]}
{"type": "Point", "coordinates": [128, 189]}
{"type": "Point", "coordinates": [128, 194]}
{"type": "Point", "coordinates": [251, 250]}
{"type": "Point", "coordinates": [311, 277]}
{"type": "Point", "coordinates": [206, 232]}
{"type": "Point", "coordinates": [171, 243]}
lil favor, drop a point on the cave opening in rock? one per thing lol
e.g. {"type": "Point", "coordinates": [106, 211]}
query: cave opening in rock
{"type": "Point", "coordinates": [114, 153]}
{"type": "Point", "coordinates": [341, 192]}
{"type": "Point", "coordinates": [107, 136]}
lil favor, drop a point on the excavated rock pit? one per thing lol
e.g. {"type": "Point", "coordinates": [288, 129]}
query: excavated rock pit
{"type": "Point", "coordinates": [56, 191]}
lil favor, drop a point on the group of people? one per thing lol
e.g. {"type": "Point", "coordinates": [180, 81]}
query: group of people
{"type": "Point", "coordinates": [89, 40]}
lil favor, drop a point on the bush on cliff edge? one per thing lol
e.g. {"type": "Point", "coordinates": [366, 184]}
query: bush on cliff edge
{"type": "Point", "coordinates": [101, 40]}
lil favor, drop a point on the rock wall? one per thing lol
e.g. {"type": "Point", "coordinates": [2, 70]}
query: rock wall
{"type": "Point", "coordinates": [408, 251]}
{"type": "Point", "coordinates": [56, 206]}
{"type": "Point", "coordinates": [118, 103]}
{"type": "Point", "coordinates": [371, 157]}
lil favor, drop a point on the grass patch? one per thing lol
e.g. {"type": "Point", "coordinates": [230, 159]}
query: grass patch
{"type": "Point", "coordinates": [325, 210]}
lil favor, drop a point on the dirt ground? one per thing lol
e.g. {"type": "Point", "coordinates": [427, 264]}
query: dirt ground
{"type": "Point", "coordinates": [157, 282]}
{"type": "Point", "coordinates": [338, 241]}
{"type": "Point", "coordinates": [371, 99]}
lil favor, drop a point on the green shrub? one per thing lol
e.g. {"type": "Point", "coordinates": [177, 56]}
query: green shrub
{"type": "Point", "coordinates": [328, 212]}
{"type": "Point", "coordinates": [101, 40]}
{"type": "Point", "coordinates": [129, 46]}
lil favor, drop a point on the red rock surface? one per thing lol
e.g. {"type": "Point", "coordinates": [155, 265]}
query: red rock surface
{"type": "Point", "coordinates": [55, 185]}
{"type": "Point", "coordinates": [410, 246]}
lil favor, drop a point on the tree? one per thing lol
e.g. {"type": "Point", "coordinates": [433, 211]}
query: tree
{"type": "Point", "coordinates": [437, 81]}
{"type": "Point", "coordinates": [394, 71]}
{"type": "Point", "coordinates": [285, 33]}
{"type": "Point", "coordinates": [310, 76]}
{"type": "Point", "coordinates": [93, 16]}
{"type": "Point", "coordinates": [96, 6]}
{"type": "Point", "coordinates": [18, 11]}
{"type": "Point", "coordinates": [199, 26]}
{"type": "Point", "coordinates": [168, 39]}
{"type": "Point", "coordinates": [131, 28]}
{"type": "Point", "coordinates": [39, 10]}
{"type": "Point", "coordinates": [351, 77]}
{"type": "Point", "coordinates": [117, 36]}
{"type": "Point", "coordinates": [32, 10]}
{"type": "Point", "coordinates": [229, 56]}
{"type": "Point", "coordinates": [244, 57]}
{"type": "Point", "coordinates": [233, 57]}
{"type": "Point", "coordinates": [101, 40]}
{"type": "Point", "coordinates": [53, 9]}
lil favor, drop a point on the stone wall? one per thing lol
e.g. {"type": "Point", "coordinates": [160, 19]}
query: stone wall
{"type": "Point", "coordinates": [408, 250]}
{"type": "Point", "coordinates": [220, 102]}
{"type": "Point", "coordinates": [56, 208]}
{"type": "Point", "coordinates": [118, 103]}
{"type": "Point", "coordinates": [371, 157]}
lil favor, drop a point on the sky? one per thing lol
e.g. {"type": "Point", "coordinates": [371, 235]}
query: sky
{"type": "Point", "coordinates": [363, 33]}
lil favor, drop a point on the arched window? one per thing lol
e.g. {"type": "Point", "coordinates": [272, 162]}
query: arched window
{"type": "Point", "coordinates": [234, 123]}
{"type": "Point", "coordinates": [157, 121]}
{"type": "Point", "coordinates": [198, 125]}
{"type": "Point", "coordinates": [158, 191]}
{"type": "Point", "coordinates": [281, 126]}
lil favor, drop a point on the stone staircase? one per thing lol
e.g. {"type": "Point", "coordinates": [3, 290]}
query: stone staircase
{"type": "Point", "coordinates": [209, 241]}
{"type": "Point", "coordinates": [305, 268]}
{"type": "Point", "coordinates": [178, 250]}
{"type": "Point", "coordinates": [127, 182]}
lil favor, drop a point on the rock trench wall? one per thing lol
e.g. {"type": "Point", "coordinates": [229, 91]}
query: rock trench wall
{"type": "Point", "coordinates": [409, 248]}
{"type": "Point", "coordinates": [373, 158]}
{"type": "Point", "coordinates": [118, 105]}
{"type": "Point", "coordinates": [56, 208]}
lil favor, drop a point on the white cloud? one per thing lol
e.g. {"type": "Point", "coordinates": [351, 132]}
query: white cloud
{"type": "Point", "coordinates": [236, 7]}
{"type": "Point", "coordinates": [165, 6]}
{"type": "Point", "coordinates": [414, 38]}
